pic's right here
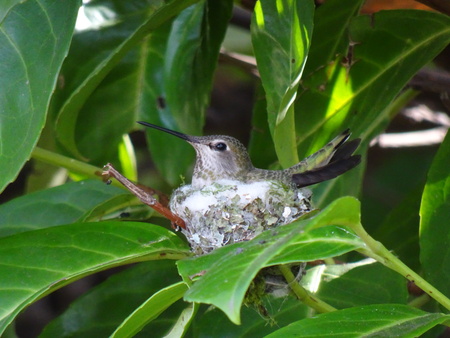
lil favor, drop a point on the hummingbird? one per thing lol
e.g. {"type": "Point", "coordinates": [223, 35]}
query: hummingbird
{"type": "Point", "coordinates": [221, 157]}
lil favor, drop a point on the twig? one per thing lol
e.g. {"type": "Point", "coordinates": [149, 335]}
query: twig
{"type": "Point", "coordinates": [303, 295]}
{"type": "Point", "coordinates": [144, 195]}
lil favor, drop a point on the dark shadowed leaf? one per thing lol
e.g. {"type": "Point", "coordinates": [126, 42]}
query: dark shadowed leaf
{"type": "Point", "coordinates": [100, 311]}
{"type": "Point", "coordinates": [150, 309]}
{"type": "Point", "coordinates": [363, 285]}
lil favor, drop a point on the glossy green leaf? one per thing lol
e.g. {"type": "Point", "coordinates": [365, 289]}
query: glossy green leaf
{"type": "Point", "coordinates": [336, 96]}
{"type": "Point", "coordinates": [150, 309]}
{"type": "Point", "coordinates": [330, 34]}
{"type": "Point", "coordinates": [384, 320]}
{"type": "Point", "coordinates": [281, 35]}
{"type": "Point", "coordinates": [28, 259]}
{"type": "Point", "coordinates": [355, 89]}
{"type": "Point", "coordinates": [235, 266]}
{"type": "Point", "coordinates": [34, 39]}
{"type": "Point", "coordinates": [101, 50]}
{"type": "Point", "coordinates": [434, 222]}
{"type": "Point", "coordinates": [99, 312]}
{"type": "Point", "coordinates": [56, 206]}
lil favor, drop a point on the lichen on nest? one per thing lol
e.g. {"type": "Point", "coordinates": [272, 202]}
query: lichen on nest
{"type": "Point", "coordinates": [227, 212]}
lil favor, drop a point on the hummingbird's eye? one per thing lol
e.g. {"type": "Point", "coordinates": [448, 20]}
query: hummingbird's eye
{"type": "Point", "coordinates": [220, 146]}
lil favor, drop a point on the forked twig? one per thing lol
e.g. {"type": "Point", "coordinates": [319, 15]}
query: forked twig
{"type": "Point", "coordinates": [144, 195]}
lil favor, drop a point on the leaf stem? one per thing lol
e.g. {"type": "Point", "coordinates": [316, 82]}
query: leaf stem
{"type": "Point", "coordinates": [70, 164]}
{"type": "Point", "coordinates": [379, 252]}
{"type": "Point", "coordinates": [302, 294]}
{"type": "Point", "coordinates": [418, 302]}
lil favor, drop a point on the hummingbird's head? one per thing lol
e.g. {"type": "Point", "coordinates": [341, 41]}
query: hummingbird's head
{"type": "Point", "coordinates": [219, 157]}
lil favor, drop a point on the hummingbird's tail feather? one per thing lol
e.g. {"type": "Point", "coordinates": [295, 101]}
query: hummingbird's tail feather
{"type": "Point", "coordinates": [345, 150]}
{"type": "Point", "coordinates": [329, 162]}
{"type": "Point", "coordinates": [327, 172]}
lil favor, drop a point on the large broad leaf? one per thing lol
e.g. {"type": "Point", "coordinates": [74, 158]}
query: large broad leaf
{"type": "Point", "coordinates": [100, 50]}
{"type": "Point", "coordinates": [389, 320]}
{"type": "Point", "coordinates": [29, 269]}
{"type": "Point", "coordinates": [100, 311]}
{"type": "Point", "coordinates": [434, 223]}
{"type": "Point", "coordinates": [34, 39]}
{"type": "Point", "coordinates": [356, 94]}
{"type": "Point", "coordinates": [355, 89]}
{"type": "Point", "coordinates": [179, 69]}
{"type": "Point", "coordinates": [235, 266]}
{"type": "Point", "coordinates": [281, 34]}
{"type": "Point", "coordinates": [56, 206]}
{"type": "Point", "coordinates": [6, 6]}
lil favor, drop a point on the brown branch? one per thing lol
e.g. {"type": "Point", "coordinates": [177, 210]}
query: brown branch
{"type": "Point", "coordinates": [144, 194]}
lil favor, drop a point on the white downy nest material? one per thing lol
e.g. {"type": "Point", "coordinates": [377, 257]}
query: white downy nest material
{"type": "Point", "coordinates": [227, 212]}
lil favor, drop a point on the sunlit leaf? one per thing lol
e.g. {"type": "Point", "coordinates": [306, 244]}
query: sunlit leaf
{"type": "Point", "coordinates": [281, 35]}
{"type": "Point", "coordinates": [434, 222]}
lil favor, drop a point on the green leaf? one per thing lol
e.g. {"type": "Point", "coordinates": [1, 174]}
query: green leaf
{"type": "Point", "coordinates": [291, 243]}
{"type": "Point", "coordinates": [336, 97]}
{"type": "Point", "coordinates": [99, 311]}
{"type": "Point", "coordinates": [101, 50]}
{"type": "Point", "coordinates": [261, 148]}
{"type": "Point", "coordinates": [281, 35]}
{"type": "Point", "coordinates": [56, 206]}
{"type": "Point", "coordinates": [184, 321]}
{"type": "Point", "coordinates": [6, 6]}
{"type": "Point", "coordinates": [179, 71]}
{"type": "Point", "coordinates": [400, 229]}
{"type": "Point", "coordinates": [28, 259]}
{"type": "Point", "coordinates": [150, 309]}
{"type": "Point", "coordinates": [384, 320]}
{"type": "Point", "coordinates": [34, 39]}
{"type": "Point", "coordinates": [434, 229]}
{"type": "Point", "coordinates": [330, 35]}
{"type": "Point", "coordinates": [282, 311]}
{"type": "Point", "coordinates": [153, 108]}
{"type": "Point", "coordinates": [191, 58]}
{"type": "Point", "coordinates": [363, 285]}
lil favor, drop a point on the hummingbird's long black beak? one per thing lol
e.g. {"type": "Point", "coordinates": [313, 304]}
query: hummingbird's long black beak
{"type": "Point", "coordinates": [172, 132]}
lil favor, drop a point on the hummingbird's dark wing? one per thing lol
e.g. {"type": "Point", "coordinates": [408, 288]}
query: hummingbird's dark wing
{"type": "Point", "coordinates": [341, 162]}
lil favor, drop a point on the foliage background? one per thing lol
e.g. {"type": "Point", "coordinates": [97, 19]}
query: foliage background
{"type": "Point", "coordinates": [158, 66]}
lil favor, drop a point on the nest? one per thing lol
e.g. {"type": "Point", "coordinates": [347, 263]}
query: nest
{"type": "Point", "coordinates": [227, 212]}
